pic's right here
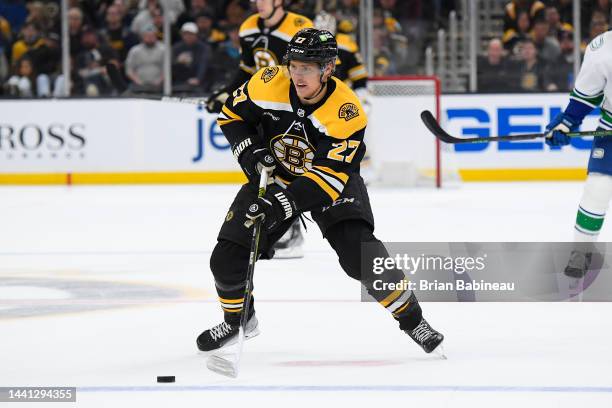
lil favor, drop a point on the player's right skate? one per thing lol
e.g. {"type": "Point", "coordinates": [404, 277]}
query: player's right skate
{"type": "Point", "coordinates": [578, 264]}
{"type": "Point", "coordinates": [225, 334]}
{"type": "Point", "coordinates": [427, 337]}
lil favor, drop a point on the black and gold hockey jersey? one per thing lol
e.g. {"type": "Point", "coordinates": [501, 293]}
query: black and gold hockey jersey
{"type": "Point", "coordinates": [263, 46]}
{"type": "Point", "coordinates": [316, 147]}
{"type": "Point", "coordinates": [349, 65]}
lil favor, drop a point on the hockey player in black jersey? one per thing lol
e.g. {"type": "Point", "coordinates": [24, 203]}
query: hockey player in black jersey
{"type": "Point", "coordinates": [263, 40]}
{"type": "Point", "coordinates": [306, 127]}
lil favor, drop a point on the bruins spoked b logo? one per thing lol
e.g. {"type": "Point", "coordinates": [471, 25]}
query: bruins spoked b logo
{"type": "Point", "coordinates": [269, 73]}
{"type": "Point", "coordinates": [295, 153]}
{"type": "Point", "coordinates": [348, 111]}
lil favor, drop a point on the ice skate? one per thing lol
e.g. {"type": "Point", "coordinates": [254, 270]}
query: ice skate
{"type": "Point", "coordinates": [428, 338]}
{"type": "Point", "coordinates": [578, 264]}
{"type": "Point", "coordinates": [224, 334]}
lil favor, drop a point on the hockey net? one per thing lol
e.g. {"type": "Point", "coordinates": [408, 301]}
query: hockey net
{"type": "Point", "coordinates": [402, 151]}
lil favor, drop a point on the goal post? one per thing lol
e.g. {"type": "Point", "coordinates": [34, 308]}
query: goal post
{"type": "Point", "coordinates": [403, 152]}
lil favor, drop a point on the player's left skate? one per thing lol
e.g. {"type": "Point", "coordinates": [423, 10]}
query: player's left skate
{"type": "Point", "coordinates": [428, 338]}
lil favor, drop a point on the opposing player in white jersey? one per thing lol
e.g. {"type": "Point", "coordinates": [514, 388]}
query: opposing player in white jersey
{"type": "Point", "coordinates": [593, 88]}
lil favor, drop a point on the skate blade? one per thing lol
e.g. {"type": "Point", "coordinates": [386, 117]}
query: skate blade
{"type": "Point", "coordinates": [223, 366]}
{"type": "Point", "coordinates": [289, 253]}
{"type": "Point", "coordinates": [439, 351]}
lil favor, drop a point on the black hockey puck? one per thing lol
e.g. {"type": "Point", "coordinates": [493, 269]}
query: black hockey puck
{"type": "Point", "coordinates": [166, 378]}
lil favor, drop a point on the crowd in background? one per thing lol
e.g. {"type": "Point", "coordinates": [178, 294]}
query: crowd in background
{"type": "Point", "coordinates": [535, 53]}
{"type": "Point", "coordinates": [204, 38]}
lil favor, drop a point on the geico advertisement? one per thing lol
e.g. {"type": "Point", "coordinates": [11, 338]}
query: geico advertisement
{"type": "Point", "coordinates": [110, 135]}
{"type": "Point", "coordinates": [512, 114]}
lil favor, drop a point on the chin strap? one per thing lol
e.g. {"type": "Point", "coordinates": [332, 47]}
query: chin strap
{"type": "Point", "coordinates": [318, 92]}
{"type": "Point", "coordinates": [274, 8]}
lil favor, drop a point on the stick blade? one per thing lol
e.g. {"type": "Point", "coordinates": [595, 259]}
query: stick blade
{"type": "Point", "coordinates": [226, 366]}
{"type": "Point", "coordinates": [432, 124]}
{"type": "Point", "coordinates": [228, 363]}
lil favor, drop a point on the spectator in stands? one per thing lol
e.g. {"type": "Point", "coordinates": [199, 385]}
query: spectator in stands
{"type": "Point", "coordinates": [144, 64]}
{"type": "Point", "coordinates": [495, 70]}
{"type": "Point", "coordinates": [207, 32]}
{"type": "Point", "coordinates": [530, 68]}
{"type": "Point", "coordinates": [566, 10]}
{"type": "Point", "coordinates": [158, 22]}
{"type": "Point", "coordinates": [234, 13]}
{"type": "Point", "coordinates": [174, 7]}
{"type": "Point", "coordinates": [394, 42]}
{"type": "Point", "coordinates": [599, 24]}
{"type": "Point", "coordinates": [347, 15]}
{"type": "Point", "coordinates": [23, 83]}
{"type": "Point", "coordinates": [46, 61]}
{"type": "Point", "coordinates": [75, 29]}
{"type": "Point", "coordinates": [513, 37]}
{"type": "Point", "coordinates": [555, 25]}
{"type": "Point", "coordinates": [602, 6]}
{"type": "Point", "coordinates": [195, 8]}
{"type": "Point", "coordinates": [513, 9]}
{"type": "Point", "coordinates": [5, 44]}
{"type": "Point", "coordinates": [190, 59]}
{"type": "Point", "coordinates": [30, 39]}
{"type": "Point", "coordinates": [548, 47]}
{"type": "Point", "coordinates": [145, 16]}
{"type": "Point", "coordinates": [384, 64]}
{"type": "Point", "coordinates": [119, 37]}
{"type": "Point", "coordinates": [560, 74]}
{"type": "Point", "coordinates": [90, 64]}
{"type": "Point", "coordinates": [42, 15]}
{"type": "Point", "coordinates": [224, 60]}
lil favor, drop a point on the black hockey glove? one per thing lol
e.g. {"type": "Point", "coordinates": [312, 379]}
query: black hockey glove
{"type": "Point", "coordinates": [215, 102]}
{"type": "Point", "coordinates": [253, 159]}
{"type": "Point", "coordinates": [272, 209]}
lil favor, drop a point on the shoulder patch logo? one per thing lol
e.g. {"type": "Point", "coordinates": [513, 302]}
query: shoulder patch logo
{"type": "Point", "coordinates": [348, 111]}
{"type": "Point", "coordinates": [269, 73]}
{"type": "Point", "coordinates": [597, 42]}
{"type": "Point", "coordinates": [299, 21]}
{"type": "Point", "coordinates": [229, 216]}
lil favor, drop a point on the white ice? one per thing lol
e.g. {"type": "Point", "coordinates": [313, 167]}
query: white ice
{"type": "Point", "coordinates": [114, 285]}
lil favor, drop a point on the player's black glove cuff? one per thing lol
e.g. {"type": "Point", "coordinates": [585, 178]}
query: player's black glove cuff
{"type": "Point", "coordinates": [253, 159]}
{"type": "Point", "coordinates": [272, 209]}
{"type": "Point", "coordinates": [215, 102]}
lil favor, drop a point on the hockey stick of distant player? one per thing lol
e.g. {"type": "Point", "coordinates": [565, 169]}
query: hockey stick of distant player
{"type": "Point", "coordinates": [118, 83]}
{"type": "Point", "coordinates": [430, 121]}
{"type": "Point", "coordinates": [228, 364]}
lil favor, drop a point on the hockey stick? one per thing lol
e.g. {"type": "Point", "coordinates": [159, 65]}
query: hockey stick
{"type": "Point", "coordinates": [430, 122]}
{"type": "Point", "coordinates": [229, 364]}
{"type": "Point", "coordinates": [118, 83]}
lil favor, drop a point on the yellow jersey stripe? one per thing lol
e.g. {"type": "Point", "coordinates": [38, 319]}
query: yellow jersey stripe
{"type": "Point", "coordinates": [324, 186]}
{"type": "Point", "coordinates": [391, 298]}
{"type": "Point", "coordinates": [232, 310]}
{"type": "Point", "coordinates": [401, 308]}
{"type": "Point", "coordinates": [341, 176]}
{"type": "Point", "coordinates": [231, 300]}
{"type": "Point", "coordinates": [230, 114]}
{"type": "Point", "coordinates": [223, 122]}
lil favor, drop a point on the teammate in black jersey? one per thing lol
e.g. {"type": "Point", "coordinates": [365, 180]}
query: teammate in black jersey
{"type": "Point", "coordinates": [311, 128]}
{"type": "Point", "coordinates": [263, 41]}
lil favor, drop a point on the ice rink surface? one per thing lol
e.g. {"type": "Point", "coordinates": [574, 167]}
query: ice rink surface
{"type": "Point", "coordinates": [105, 288]}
